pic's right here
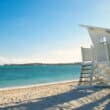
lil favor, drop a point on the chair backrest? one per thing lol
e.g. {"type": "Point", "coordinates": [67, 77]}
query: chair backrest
{"type": "Point", "coordinates": [98, 35]}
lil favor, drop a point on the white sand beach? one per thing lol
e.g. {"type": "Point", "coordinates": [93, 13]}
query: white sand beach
{"type": "Point", "coordinates": [58, 96]}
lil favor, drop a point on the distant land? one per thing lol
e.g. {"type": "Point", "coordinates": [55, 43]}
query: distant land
{"type": "Point", "coordinates": [28, 64]}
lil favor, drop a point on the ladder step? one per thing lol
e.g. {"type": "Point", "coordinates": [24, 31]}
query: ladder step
{"type": "Point", "coordinates": [85, 69]}
{"type": "Point", "coordinates": [84, 77]}
{"type": "Point", "coordinates": [84, 65]}
{"type": "Point", "coordinates": [83, 81]}
{"type": "Point", "coordinates": [85, 72]}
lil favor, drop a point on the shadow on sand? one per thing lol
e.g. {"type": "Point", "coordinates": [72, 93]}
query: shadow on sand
{"type": "Point", "coordinates": [46, 103]}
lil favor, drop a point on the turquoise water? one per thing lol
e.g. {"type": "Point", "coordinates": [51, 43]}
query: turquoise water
{"type": "Point", "coordinates": [19, 75]}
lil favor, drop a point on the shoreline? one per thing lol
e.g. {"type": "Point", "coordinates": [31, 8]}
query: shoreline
{"type": "Point", "coordinates": [38, 85]}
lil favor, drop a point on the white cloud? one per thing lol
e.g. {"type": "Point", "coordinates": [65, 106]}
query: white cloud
{"type": "Point", "coordinates": [67, 55]}
{"type": "Point", "coordinates": [56, 56]}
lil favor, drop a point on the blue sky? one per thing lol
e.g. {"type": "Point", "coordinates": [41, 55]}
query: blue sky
{"type": "Point", "coordinates": [48, 30]}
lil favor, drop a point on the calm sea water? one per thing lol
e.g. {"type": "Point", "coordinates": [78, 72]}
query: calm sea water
{"type": "Point", "coordinates": [36, 74]}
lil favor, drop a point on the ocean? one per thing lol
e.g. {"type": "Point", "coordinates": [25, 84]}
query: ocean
{"type": "Point", "coordinates": [21, 75]}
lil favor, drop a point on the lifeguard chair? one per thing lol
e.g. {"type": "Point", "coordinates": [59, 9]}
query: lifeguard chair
{"type": "Point", "coordinates": [96, 60]}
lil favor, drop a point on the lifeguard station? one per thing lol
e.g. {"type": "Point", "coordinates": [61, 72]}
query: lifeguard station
{"type": "Point", "coordinates": [96, 60]}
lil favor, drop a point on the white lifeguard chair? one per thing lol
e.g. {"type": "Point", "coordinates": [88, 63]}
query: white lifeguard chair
{"type": "Point", "coordinates": [96, 60]}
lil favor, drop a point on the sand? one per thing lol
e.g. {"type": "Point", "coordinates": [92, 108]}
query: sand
{"type": "Point", "coordinates": [59, 96]}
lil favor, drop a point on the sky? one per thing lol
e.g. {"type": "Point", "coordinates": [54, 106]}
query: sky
{"type": "Point", "coordinates": [48, 31]}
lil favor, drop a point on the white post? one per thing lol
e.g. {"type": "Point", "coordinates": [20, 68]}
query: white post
{"type": "Point", "coordinates": [92, 68]}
